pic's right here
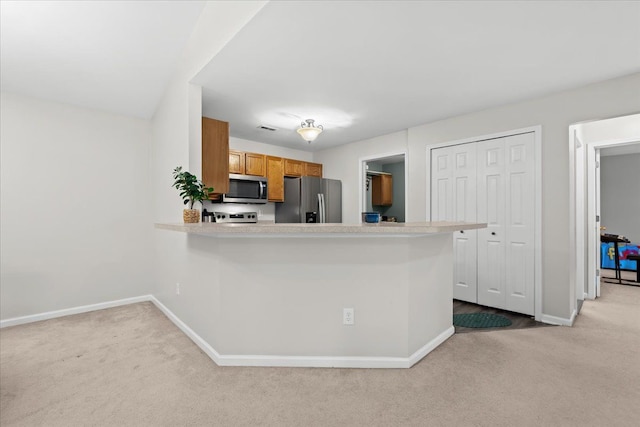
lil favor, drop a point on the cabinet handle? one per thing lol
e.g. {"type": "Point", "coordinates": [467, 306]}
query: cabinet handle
{"type": "Point", "coordinates": [493, 233]}
{"type": "Point", "coordinates": [461, 231]}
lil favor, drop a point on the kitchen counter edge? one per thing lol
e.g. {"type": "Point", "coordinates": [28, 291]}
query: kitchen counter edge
{"type": "Point", "coordinates": [409, 229]}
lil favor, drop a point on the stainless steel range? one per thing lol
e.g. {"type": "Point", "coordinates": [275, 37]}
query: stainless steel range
{"type": "Point", "coordinates": [236, 216]}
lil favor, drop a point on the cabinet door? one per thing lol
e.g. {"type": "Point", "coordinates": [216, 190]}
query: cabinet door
{"type": "Point", "coordinates": [275, 179]}
{"type": "Point", "coordinates": [215, 154]}
{"type": "Point", "coordinates": [313, 169]}
{"type": "Point", "coordinates": [254, 164]}
{"type": "Point", "coordinates": [236, 162]}
{"type": "Point", "coordinates": [382, 190]}
{"type": "Point", "coordinates": [293, 167]}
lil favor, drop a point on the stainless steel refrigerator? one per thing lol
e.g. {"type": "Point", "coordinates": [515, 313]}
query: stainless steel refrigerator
{"type": "Point", "coordinates": [310, 199]}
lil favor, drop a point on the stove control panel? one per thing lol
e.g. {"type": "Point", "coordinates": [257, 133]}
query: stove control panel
{"type": "Point", "coordinates": [236, 217]}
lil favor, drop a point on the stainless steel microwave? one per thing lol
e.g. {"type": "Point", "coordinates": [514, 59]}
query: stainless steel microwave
{"type": "Point", "coordinates": [246, 189]}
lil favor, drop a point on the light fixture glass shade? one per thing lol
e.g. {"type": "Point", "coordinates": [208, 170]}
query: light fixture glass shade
{"type": "Point", "coordinates": [308, 131]}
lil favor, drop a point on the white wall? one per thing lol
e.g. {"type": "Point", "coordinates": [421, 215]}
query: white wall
{"type": "Point", "coordinates": [176, 140]}
{"type": "Point", "coordinates": [343, 163]}
{"type": "Point", "coordinates": [271, 150]}
{"type": "Point", "coordinates": [620, 195]}
{"type": "Point", "coordinates": [555, 113]}
{"type": "Point", "coordinates": [75, 220]}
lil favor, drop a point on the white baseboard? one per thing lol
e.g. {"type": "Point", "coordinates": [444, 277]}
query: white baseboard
{"type": "Point", "coordinates": [197, 339]}
{"type": "Point", "coordinates": [305, 361]}
{"type": "Point", "coordinates": [431, 345]}
{"type": "Point", "coordinates": [69, 311]}
{"type": "Point", "coordinates": [250, 360]}
{"type": "Point", "coordinates": [553, 320]}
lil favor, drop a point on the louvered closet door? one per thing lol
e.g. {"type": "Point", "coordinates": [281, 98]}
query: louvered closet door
{"type": "Point", "coordinates": [491, 209]}
{"type": "Point", "coordinates": [453, 199]}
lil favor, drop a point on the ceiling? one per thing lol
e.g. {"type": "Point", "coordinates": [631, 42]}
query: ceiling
{"type": "Point", "coordinates": [359, 68]}
{"type": "Point", "coordinates": [369, 68]}
{"type": "Point", "coordinates": [116, 56]}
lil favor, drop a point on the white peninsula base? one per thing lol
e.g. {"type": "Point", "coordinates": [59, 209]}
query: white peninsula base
{"type": "Point", "coordinates": [279, 300]}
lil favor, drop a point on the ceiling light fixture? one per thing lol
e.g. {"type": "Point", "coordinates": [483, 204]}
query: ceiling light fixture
{"type": "Point", "coordinates": [308, 131]}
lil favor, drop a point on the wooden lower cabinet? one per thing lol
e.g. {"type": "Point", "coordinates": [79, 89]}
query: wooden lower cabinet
{"type": "Point", "coordinates": [382, 190]}
{"type": "Point", "coordinates": [313, 169]}
{"type": "Point", "coordinates": [215, 154]}
{"type": "Point", "coordinates": [275, 178]}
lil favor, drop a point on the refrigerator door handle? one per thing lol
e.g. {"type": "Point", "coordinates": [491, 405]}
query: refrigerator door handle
{"type": "Point", "coordinates": [321, 207]}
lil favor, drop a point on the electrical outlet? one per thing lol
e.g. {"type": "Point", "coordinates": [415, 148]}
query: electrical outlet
{"type": "Point", "coordinates": [348, 316]}
{"type": "Point", "coordinates": [177, 288]}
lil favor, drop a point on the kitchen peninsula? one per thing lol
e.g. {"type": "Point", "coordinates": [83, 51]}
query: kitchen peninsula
{"type": "Point", "coordinates": [326, 295]}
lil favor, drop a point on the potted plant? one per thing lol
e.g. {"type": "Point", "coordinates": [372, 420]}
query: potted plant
{"type": "Point", "coordinates": [191, 191]}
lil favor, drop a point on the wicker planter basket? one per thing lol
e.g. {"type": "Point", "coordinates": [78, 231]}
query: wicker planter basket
{"type": "Point", "coordinates": [191, 215]}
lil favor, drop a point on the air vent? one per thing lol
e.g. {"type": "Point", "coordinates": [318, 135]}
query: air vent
{"type": "Point", "coordinates": [262, 127]}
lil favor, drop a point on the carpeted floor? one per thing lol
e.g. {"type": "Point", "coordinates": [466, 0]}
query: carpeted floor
{"type": "Point", "coordinates": [130, 366]}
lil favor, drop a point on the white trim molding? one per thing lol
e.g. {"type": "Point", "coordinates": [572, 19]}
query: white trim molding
{"type": "Point", "coordinates": [257, 360]}
{"type": "Point", "coordinates": [362, 178]}
{"type": "Point", "coordinates": [250, 360]}
{"type": "Point", "coordinates": [336, 361]}
{"type": "Point", "coordinates": [74, 310]}
{"type": "Point", "coordinates": [561, 321]}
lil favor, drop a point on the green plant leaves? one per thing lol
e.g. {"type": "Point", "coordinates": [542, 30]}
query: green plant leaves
{"type": "Point", "coordinates": [191, 189]}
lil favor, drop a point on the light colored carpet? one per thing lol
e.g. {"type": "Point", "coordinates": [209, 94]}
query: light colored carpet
{"type": "Point", "coordinates": [130, 366]}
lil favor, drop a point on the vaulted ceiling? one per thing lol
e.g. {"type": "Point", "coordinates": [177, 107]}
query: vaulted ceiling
{"type": "Point", "coordinates": [359, 68]}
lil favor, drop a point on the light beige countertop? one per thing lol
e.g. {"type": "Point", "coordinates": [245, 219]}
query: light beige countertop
{"type": "Point", "coordinates": [266, 229]}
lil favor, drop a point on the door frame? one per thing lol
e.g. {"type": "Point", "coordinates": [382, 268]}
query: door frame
{"type": "Point", "coordinates": [362, 173]}
{"type": "Point", "coordinates": [585, 184]}
{"type": "Point", "coordinates": [537, 131]}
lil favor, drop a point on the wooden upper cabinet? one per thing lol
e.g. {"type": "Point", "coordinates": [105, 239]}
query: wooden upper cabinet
{"type": "Point", "coordinates": [382, 190]}
{"type": "Point", "coordinates": [236, 162]}
{"type": "Point", "coordinates": [293, 167]}
{"type": "Point", "coordinates": [215, 154]}
{"type": "Point", "coordinates": [254, 164]}
{"type": "Point", "coordinates": [247, 163]}
{"type": "Point", "coordinates": [313, 169]}
{"type": "Point", "coordinates": [275, 178]}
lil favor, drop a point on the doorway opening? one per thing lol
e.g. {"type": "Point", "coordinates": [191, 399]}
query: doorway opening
{"type": "Point", "coordinates": [383, 186]}
{"type": "Point", "coordinates": [587, 141]}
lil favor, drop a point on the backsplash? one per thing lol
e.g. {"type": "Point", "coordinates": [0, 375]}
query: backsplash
{"type": "Point", "coordinates": [266, 211]}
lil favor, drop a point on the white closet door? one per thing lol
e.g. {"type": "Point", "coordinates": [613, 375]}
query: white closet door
{"type": "Point", "coordinates": [442, 184]}
{"type": "Point", "coordinates": [519, 223]}
{"type": "Point", "coordinates": [464, 210]}
{"type": "Point", "coordinates": [491, 210]}
{"type": "Point", "coordinates": [453, 199]}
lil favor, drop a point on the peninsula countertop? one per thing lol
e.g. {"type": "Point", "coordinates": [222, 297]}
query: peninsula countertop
{"type": "Point", "coordinates": [382, 229]}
